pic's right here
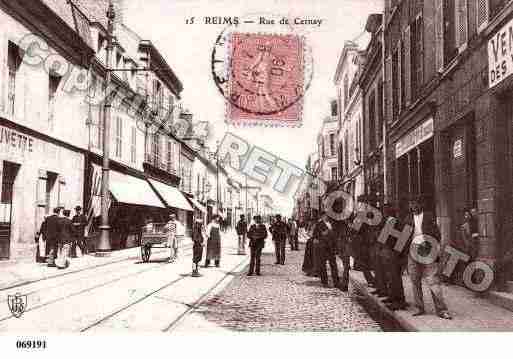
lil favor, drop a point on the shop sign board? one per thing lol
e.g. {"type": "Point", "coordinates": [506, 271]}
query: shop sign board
{"type": "Point", "coordinates": [14, 141]}
{"type": "Point", "coordinates": [500, 52]}
{"type": "Point", "coordinates": [414, 138]}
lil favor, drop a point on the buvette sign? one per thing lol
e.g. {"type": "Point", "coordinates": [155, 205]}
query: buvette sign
{"type": "Point", "coordinates": [500, 55]}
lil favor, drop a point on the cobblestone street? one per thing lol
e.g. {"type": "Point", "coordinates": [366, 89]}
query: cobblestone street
{"type": "Point", "coordinates": [282, 299]}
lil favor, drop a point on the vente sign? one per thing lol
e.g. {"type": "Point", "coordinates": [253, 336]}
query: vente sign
{"type": "Point", "coordinates": [500, 55]}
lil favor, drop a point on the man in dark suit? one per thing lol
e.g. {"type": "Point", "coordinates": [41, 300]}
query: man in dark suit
{"type": "Point", "coordinates": [422, 263]}
{"type": "Point", "coordinates": [342, 231]}
{"type": "Point", "coordinates": [279, 232]}
{"type": "Point", "coordinates": [242, 229]}
{"type": "Point", "coordinates": [65, 238]}
{"type": "Point", "coordinates": [52, 236]}
{"type": "Point", "coordinates": [391, 261]}
{"type": "Point", "coordinates": [257, 234]}
{"type": "Point", "coordinates": [327, 245]}
{"type": "Point", "coordinates": [79, 223]}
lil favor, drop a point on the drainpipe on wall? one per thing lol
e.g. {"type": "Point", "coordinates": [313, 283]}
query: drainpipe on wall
{"type": "Point", "coordinates": [384, 111]}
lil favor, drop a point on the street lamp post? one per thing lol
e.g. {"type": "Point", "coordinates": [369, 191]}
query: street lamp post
{"type": "Point", "coordinates": [104, 246]}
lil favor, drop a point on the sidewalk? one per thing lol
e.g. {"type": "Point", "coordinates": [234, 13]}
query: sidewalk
{"type": "Point", "coordinates": [470, 311]}
{"type": "Point", "coordinates": [16, 274]}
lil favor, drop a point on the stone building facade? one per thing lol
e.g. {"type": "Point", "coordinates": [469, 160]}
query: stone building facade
{"type": "Point", "coordinates": [449, 130]}
{"type": "Point", "coordinates": [350, 124]}
{"type": "Point", "coordinates": [42, 119]}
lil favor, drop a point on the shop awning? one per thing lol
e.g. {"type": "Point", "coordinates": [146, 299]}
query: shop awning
{"type": "Point", "coordinates": [171, 195]}
{"type": "Point", "coordinates": [198, 205]}
{"type": "Point", "coordinates": [133, 190]}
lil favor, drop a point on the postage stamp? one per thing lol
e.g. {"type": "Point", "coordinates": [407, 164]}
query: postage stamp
{"type": "Point", "coordinates": [267, 77]}
{"type": "Point", "coordinates": [262, 75]}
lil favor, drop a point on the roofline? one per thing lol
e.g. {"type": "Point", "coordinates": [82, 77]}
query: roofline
{"type": "Point", "coordinates": [71, 38]}
{"type": "Point", "coordinates": [348, 46]}
{"type": "Point", "coordinates": [163, 69]}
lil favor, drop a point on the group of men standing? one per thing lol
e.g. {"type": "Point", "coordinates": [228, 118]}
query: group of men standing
{"type": "Point", "coordinates": [257, 233]}
{"type": "Point", "coordinates": [61, 236]}
{"type": "Point", "coordinates": [381, 262]}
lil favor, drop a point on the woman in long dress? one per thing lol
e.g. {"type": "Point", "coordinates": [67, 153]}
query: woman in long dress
{"type": "Point", "coordinates": [213, 242]}
{"type": "Point", "coordinates": [198, 235]}
{"type": "Point", "coordinates": [309, 267]}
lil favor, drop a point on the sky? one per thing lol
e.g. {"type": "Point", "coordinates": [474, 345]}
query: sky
{"type": "Point", "coordinates": [188, 48]}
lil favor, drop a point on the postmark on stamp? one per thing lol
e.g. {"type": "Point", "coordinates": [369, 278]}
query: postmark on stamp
{"type": "Point", "coordinates": [263, 76]}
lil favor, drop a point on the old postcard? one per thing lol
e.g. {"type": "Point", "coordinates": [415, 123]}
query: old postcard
{"type": "Point", "coordinates": [255, 166]}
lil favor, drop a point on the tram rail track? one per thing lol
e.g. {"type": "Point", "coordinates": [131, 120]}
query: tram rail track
{"type": "Point", "coordinates": [169, 327]}
{"type": "Point", "coordinates": [91, 288]}
{"type": "Point", "coordinates": [57, 275]}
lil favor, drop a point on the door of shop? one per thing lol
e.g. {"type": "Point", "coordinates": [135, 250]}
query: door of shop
{"type": "Point", "coordinates": [8, 177]}
{"type": "Point", "coordinates": [463, 186]}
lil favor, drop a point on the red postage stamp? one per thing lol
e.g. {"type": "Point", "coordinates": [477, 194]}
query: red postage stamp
{"type": "Point", "coordinates": [266, 79]}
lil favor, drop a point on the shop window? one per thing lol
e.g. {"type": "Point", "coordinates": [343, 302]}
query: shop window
{"type": "Point", "coordinates": [14, 59]}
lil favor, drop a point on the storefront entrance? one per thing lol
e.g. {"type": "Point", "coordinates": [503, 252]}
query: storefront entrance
{"type": "Point", "coordinates": [9, 172]}
{"type": "Point", "coordinates": [463, 191]}
{"type": "Point", "coordinates": [415, 167]}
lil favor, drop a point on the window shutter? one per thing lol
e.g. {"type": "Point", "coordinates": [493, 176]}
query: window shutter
{"type": "Point", "coordinates": [482, 13]}
{"type": "Point", "coordinates": [407, 65]}
{"type": "Point", "coordinates": [439, 34]}
{"type": "Point", "coordinates": [461, 24]}
{"type": "Point", "coordinates": [389, 90]}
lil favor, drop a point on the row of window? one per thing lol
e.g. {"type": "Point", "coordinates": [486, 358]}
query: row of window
{"type": "Point", "coordinates": [459, 21]}
{"type": "Point", "coordinates": [14, 60]}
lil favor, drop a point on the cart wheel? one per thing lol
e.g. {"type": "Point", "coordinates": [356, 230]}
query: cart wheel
{"type": "Point", "coordinates": [145, 253]}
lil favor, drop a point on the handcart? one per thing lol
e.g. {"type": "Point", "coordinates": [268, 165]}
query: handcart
{"type": "Point", "coordinates": [154, 235]}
